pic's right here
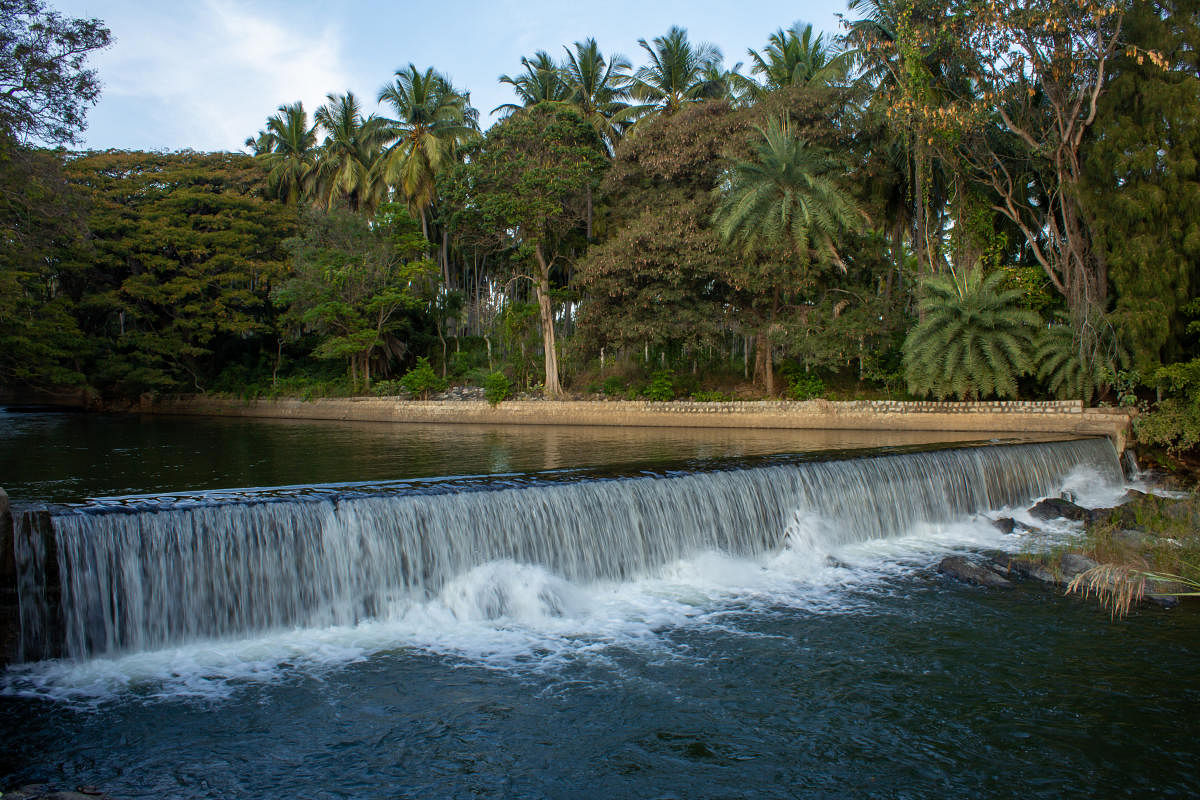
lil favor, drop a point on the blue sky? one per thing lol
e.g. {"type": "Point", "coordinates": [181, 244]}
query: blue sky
{"type": "Point", "coordinates": [204, 74]}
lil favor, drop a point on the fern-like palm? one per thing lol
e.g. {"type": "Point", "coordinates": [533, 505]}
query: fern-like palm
{"type": "Point", "coordinates": [1077, 361]}
{"type": "Point", "coordinates": [789, 194]}
{"type": "Point", "coordinates": [974, 339]}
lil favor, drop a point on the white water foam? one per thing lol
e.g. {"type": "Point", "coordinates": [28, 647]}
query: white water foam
{"type": "Point", "coordinates": [512, 616]}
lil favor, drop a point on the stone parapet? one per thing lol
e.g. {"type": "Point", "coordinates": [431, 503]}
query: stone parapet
{"type": "Point", "coordinates": [1005, 416]}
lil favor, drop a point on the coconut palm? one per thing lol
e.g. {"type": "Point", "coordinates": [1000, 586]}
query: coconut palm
{"type": "Point", "coordinates": [597, 89]}
{"type": "Point", "coordinates": [787, 194]}
{"type": "Point", "coordinates": [974, 339]}
{"type": "Point", "coordinates": [678, 73]}
{"type": "Point", "coordinates": [352, 144]}
{"type": "Point", "coordinates": [432, 120]}
{"type": "Point", "coordinates": [291, 153]}
{"type": "Point", "coordinates": [793, 58]}
{"type": "Point", "coordinates": [542, 82]}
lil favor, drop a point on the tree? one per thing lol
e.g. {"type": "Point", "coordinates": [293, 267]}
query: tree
{"type": "Point", "coordinates": [598, 88]}
{"type": "Point", "coordinates": [1142, 180]}
{"type": "Point", "coordinates": [678, 73]}
{"type": "Point", "coordinates": [974, 339]}
{"type": "Point", "coordinates": [786, 196]}
{"type": "Point", "coordinates": [432, 120]}
{"type": "Point", "coordinates": [345, 170]}
{"type": "Point", "coordinates": [288, 149]}
{"type": "Point", "coordinates": [542, 82]}
{"type": "Point", "coordinates": [184, 251]}
{"type": "Point", "coordinates": [794, 58]}
{"type": "Point", "coordinates": [353, 285]}
{"type": "Point", "coordinates": [530, 178]}
{"type": "Point", "coordinates": [46, 87]}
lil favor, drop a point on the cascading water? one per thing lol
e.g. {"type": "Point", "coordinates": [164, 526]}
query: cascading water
{"type": "Point", "coordinates": [146, 574]}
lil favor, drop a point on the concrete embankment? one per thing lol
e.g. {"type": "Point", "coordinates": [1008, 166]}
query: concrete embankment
{"type": "Point", "coordinates": [1065, 417]}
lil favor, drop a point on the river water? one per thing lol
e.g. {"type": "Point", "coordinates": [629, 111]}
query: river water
{"type": "Point", "coordinates": [834, 663]}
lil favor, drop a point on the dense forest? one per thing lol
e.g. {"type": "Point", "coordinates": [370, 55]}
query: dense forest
{"type": "Point", "coordinates": [957, 199]}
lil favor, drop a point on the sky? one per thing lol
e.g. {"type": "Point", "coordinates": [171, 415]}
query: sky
{"type": "Point", "coordinates": [205, 74]}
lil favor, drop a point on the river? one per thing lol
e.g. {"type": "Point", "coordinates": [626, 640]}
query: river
{"type": "Point", "coordinates": [806, 651]}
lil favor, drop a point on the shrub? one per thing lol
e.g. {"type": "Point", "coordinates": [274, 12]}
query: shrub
{"type": "Point", "coordinates": [710, 397]}
{"type": "Point", "coordinates": [613, 386]}
{"type": "Point", "coordinates": [662, 386]}
{"type": "Point", "coordinates": [805, 386]}
{"type": "Point", "coordinates": [421, 380]}
{"type": "Point", "coordinates": [388, 388]}
{"type": "Point", "coordinates": [496, 388]}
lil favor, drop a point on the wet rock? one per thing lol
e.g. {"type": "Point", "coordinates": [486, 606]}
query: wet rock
{"type": "Point", "coordinates": [45, 792]}
{"type": "Point", "coordinates": [1028, 568]}
{"type": "Point", "coordinates": [1074, 563]}
{"type": "Point", "coordinates": [1055, 507]}
{"type": "Point", "coordinates": [963, 570]}
{"type": "Point", "coordinates": [1005, 524]}
{"type": "Point", "coordinates": [830, 561]}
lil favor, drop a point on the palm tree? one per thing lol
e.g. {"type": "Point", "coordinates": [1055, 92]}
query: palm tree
{"type": "Point", "coordinates": [542, 82]}
{"type": "Point", "coordinates": [352, 144]}
{"type": "Point", "coordinates": [678, 73]}
{"type": "Point", "coordinates": [291, 154]}
{"type": "Point", "coordinates": [1079, 361]}
{"type": "Point", "coordinates": [794, 58]}
{"type": "Point", "coordinates": [786, 197]}
{"type": "Point", "coordinates": [432, 120]}
{"type": "Point", "coordinates": [788, 194]}
{"type": "Point", "coordinates": [974, 339]}
{"type": "Point", "coordinates": [597, 89]}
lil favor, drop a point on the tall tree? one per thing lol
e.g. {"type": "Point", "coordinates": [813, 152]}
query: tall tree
{"type": "Point", "coordinates": [678, 72]}
{"type": "Point", "coordinates": [794, 58]}
{"type": "Point", "coordinates": [598, 88]}
{"type": "Point", "coordinates": [46, 86]}
{"type": "Point", "coordinates": [787, 195]}
{"type": "Point", "coordinates": [352, 144]}
{"type": "Point", "coordinates": [433, 119]}
{"type": "Point", "coordinates": [531, 177]}
{"type": "Point", "coordinates": [541, 82]}
{"type": "Point", "coordinates": [289, 152]}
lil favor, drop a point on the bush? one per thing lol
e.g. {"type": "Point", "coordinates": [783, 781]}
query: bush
{"type": "Point", "coordinates": [388, 388]}
{"type": "Point", "coordinates": [497, 388]}
{"type": "Point", "coordinates": [711, 397]}
{"type": "Point", "coordinates": [662, 386]}
{"type": "Point", "coordinates": [805, 386]}
{"type": "Point", "coordinates": [421, 380]}
{"type": "Point", "coordinates": [613, 386]}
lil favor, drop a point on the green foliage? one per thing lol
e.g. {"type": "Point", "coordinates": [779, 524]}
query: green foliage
{"type": "Point", "coordinates": [1078, 363]}
{"type": "Point", "coordinates": [801, 384]}
{"type": "Point", "coordinates": [497, 388]}
{"type": "Point", "coordinates": [711, 397]}
{"type": "Point", "coordinates": [974, 340]}
{"type": "Point", "coordinates": [613, 386]}
{"type": "Point", "coordinates": [353, 288]}
{"type": "Point", "coordinates": [45, 85]}
{"type": "Point", "coordinates": [662, 386]}
{"type": "Point", "coordinates": [421, 380]}
{"type": "Point", "coordinates": [389, 388]}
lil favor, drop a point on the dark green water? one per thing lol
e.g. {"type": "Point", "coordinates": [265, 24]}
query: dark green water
{"type": "Point", "coordinates": [783, 676]}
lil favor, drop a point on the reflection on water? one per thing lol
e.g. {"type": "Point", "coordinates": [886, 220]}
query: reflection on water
{"type": "Point", "coordinates": [66, 457]}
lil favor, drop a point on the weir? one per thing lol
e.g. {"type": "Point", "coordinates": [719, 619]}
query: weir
{"type": "Point", "coordinates": [110, 577]}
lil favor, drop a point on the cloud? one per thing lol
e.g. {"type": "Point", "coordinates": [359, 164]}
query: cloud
{"type": "Point", "coordinates": [210, 78]}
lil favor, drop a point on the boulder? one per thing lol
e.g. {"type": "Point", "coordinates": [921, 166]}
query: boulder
{"type": "Point", "coordinates": [963, 570]}
{"type": "Point", "coordinates": [1073, 563]}
{"type": "Point", "coordinates": [1027, 568]}
{"type": "Point", "coordinates": [1055, 507]}
{"type": "Point", "coordinates": [1005, 524]}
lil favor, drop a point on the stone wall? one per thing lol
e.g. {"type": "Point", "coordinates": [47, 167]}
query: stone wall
{"type": "Point", "coordinates": [1054, 416]}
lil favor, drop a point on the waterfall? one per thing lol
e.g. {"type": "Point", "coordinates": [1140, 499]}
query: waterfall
{"type": "Point", "coordinates": [154, 572]}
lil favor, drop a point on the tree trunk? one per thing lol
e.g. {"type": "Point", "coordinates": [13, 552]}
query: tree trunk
{"type": "Point", "coordinates": [551, 390]}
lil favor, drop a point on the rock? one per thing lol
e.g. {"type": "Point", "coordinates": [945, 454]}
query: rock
{"type": "Point", "coordinates": [1005, 524]}
{"type": "Point", "coordinates": [1028, 568]}
{"type": "Point", "coordinates": [1054, 507]}
{"type": "Point", "coordinates": [959, 568]}
{"type": "Point", "coordinates": [1074, 563]}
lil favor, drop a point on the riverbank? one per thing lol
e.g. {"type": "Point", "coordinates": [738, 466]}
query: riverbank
{"type": "Point", "coordinates": [1065, 417]}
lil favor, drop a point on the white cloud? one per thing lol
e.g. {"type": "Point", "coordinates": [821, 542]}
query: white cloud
{"type": "Point", "coordinates": [211, 77]}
